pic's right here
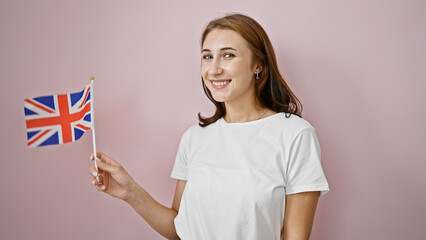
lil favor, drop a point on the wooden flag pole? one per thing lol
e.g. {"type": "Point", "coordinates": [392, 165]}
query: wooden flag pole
{"type": "Point", "coordinates": [92, 115]}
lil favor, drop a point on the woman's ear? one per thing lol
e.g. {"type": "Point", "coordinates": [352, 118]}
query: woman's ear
{"type": "Point", "coordinates": [258, 67]}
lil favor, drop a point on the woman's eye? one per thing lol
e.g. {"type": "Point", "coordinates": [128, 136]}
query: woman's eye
{"type": "Point", "coordinates": [207, 57]}
{"type": "Point", "coordinates": [229, 55]}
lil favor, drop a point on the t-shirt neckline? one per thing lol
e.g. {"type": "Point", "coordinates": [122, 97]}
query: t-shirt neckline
{"type": "Point", "coordinates": [223, 122]}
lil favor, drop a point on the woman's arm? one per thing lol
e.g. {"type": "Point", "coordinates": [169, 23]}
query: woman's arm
{"type": "Point", "coordinates": [160, 218]}
{"type": "Point", "coordinates": [299, 215]}
{"type": "Point", "coordinates": [118, 183]}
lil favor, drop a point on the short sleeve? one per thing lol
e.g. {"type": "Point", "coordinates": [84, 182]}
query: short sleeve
{"type": "Point", "coordinates": [179, 170]}
{"type": "Point", "coordinates": [304, 169]}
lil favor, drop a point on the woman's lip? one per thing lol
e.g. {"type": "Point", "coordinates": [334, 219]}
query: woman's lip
{"type": "Point", "coordinates": [220, 86]}
{"type": "Point", "coordinates": [220, 80]}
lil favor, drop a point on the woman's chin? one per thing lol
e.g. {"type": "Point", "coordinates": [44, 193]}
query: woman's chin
{"type": "Point", "coordinates": [219, 98]}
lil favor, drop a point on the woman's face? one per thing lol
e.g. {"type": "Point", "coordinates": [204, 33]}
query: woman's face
{"type": "Point", "coordinates": [227, 66]}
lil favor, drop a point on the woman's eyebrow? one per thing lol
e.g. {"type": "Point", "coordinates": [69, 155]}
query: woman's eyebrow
{"type": "Point", "coordinates": [222, 49]}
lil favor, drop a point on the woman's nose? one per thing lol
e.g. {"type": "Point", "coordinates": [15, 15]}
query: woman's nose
{"type": "Point", "coordinates": [215, 67]}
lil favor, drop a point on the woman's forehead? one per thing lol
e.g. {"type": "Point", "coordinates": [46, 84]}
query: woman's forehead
{"type": "Point", "coordinates": [223, 38]}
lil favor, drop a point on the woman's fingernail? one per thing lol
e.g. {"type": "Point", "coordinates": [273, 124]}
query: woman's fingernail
{"type": "Point", "coordinates": [94, 173]}
{"type": "Point", "coordinates": [94, 182]}
{"type": "Point", "coordinates": [103, 187]}
{"type": "Point", "coordinates": [91, 157]}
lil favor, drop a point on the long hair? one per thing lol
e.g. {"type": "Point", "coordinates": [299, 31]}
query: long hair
{"type": "Point", "coordinates": [271, 90]}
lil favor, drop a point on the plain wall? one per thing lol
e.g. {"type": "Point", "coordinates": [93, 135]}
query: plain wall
{"type": "Point", "coordinates": [358, 68]}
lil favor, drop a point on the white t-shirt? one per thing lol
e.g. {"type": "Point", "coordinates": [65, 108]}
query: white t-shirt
{"type": "Point", "coordinates": [239, 173]}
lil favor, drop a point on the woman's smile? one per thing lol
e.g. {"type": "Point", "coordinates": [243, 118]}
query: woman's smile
{"type": "Point", "coordinates": [220, 83]}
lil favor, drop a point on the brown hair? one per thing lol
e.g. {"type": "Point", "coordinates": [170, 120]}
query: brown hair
{"type": "Point", "coordinates": [271, 90]}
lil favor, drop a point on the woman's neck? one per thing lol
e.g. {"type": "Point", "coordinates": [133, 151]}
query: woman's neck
{"type": "Point", "coordinates": [244, 111]}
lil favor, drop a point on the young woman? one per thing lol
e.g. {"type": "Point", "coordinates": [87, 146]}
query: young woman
{"type": "Point", "coordinates": [253, 169]}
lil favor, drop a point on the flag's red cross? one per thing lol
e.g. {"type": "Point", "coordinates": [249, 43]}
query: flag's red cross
{"type": "Point", "coordinates": [64, 119]}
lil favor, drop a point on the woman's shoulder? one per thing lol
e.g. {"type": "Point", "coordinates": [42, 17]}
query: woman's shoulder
{"type": "Point", "coordinates": [196, 129]}
{"type": "Point", "coordinates": [291, 122]}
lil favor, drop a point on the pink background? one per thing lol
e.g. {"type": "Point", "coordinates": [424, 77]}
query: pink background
{"type": "Point", "coordinates": [357, 66]}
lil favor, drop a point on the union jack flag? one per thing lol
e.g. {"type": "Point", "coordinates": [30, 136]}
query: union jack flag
{"type": "Point", "coordinates": [58, 119]}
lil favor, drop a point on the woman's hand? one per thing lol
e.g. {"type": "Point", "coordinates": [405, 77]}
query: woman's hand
{"type": "Point", "coordinates": [115, 181]}
{"type": "Point", "coordinates": [113, 178]}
